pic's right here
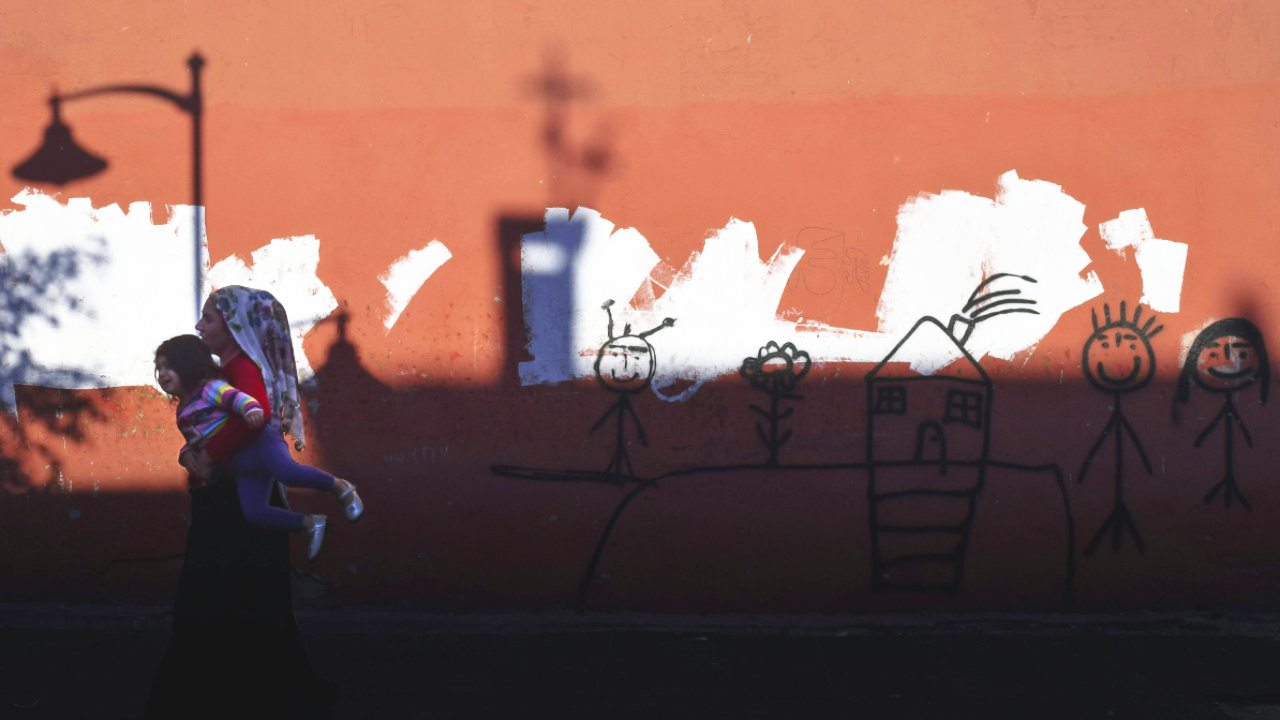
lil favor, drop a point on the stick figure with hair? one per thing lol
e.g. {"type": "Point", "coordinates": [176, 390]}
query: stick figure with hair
{"type": "Point", "coordinates": [1225, 358]}
{"type": "Point", "coordinates": [625, 365]}
{"type": "Point", "coordinates": [1118, 359]}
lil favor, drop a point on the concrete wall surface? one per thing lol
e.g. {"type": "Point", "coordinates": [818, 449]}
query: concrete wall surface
{"type": "Point", "coordinates": [666, 306]}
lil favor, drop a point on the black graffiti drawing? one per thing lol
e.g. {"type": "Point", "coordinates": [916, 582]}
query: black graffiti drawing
{"type": "Point", "coordinates": [959, 456]}
{"type": "Point", "coordinates": [920, 527]}
{"type": "Point", "coordinates": [1118, 359]}
{"type": "Point", "coordinates": [936, 421]}
{"type": "Point", "coordinates": [1000, 294]}
{"type": "Point", "coordinates": [1225, 358]}
{"type": "Point", "coordinates": [775, 370]}
{"type": "Point", "coordinates": [624, 366]}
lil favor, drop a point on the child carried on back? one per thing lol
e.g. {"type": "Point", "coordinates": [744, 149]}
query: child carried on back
{"type": "Point", "coordinates": [186, 370]}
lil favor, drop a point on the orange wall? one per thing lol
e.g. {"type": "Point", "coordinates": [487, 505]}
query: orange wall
{"type": "Point", "coordinates": [378, 127]}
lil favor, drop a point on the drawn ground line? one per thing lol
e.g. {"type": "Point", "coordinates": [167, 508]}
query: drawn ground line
{"type": "Point", "coordinates": [646, 483]}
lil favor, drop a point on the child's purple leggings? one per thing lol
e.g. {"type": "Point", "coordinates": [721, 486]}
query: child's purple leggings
{"type": "Point", "coordinates": [264, 460]}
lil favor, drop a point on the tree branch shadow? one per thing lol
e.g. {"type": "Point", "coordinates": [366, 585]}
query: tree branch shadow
{"type": "Point", "coordinates": [35, 412]}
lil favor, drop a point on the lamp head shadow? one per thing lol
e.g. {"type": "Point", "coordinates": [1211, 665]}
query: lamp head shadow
{"type": "Point", "coordinates": [58, 160]}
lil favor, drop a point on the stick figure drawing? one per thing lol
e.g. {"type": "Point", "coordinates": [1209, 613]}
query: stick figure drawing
{"type": "Point", "coordinates": [1226, 357]}
{"type": "Point", "coordinates": [625, 365]}
{"type": "Point", "coordinates": [1118, 359]}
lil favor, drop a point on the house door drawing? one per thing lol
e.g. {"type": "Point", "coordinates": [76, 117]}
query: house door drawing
{"type": "Point", "coordinates": [931, 445]}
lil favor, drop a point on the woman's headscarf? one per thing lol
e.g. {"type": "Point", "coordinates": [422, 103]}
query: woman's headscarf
{"type": "Point", "coordinates": [259, 325]}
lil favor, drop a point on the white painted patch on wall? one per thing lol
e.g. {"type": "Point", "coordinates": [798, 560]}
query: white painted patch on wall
{"type": "Point", "coordinates": [406, 275]}
{"type": "Point", "coordinates": [1161, 262]}
{"type": "Point", "coordinates": [88, 293]}
{"type": "Point", "coordinates": [947, 243]}
{"type": "Point", "coordinates": [725, 299]}
{"type": "Point", "coordinates": [1189, 338]}
{"type": "Point", "coordinates": [725, 302]}
{"type": "Point", "coordinates": [286, 267]}
{"type": "Point", "coordinates": [106, 285]}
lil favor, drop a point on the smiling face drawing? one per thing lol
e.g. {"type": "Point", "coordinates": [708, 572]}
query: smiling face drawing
{"type": "Point", "coordinates": [1118, 360]}
{"type": "Point", "coordinates": [1226, 363]}
{"type": "Point", "coordinates": [1227, 356]}
{"type": "Point", "coordinates": [1118, 357]}
{"type": "Point", "coordinates": [625, 364]}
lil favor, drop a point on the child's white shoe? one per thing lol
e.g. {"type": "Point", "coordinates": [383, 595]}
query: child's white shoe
{"type": "Point", "coordinates": [315, 536]}
{"type": "Point", "coordinates": [352, 506]}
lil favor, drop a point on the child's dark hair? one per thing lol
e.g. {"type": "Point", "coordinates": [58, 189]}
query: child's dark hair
{"type": "Point", "coordinates": [190, 358]}
{"type": "Point", "coordinates": [1239, 327]}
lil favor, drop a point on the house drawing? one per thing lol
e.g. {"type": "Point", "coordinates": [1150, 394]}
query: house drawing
{"type": "Point", "coordinates": [928, 422]}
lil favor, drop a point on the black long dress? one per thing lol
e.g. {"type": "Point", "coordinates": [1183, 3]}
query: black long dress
{"type": "Point", "coordinates": [236, 650]}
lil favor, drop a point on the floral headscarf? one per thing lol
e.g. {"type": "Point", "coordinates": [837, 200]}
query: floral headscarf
{"type": "Point", "coordinates": [259, 325]}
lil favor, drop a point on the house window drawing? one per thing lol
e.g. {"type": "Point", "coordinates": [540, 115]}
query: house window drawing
{"type": "Point", "coordinates": [964, 406]}
{"type": "Point", "coordinates": [891, 400]}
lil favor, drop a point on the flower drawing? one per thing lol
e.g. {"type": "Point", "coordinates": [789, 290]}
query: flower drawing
{"type": "Point", "coordinates": [775, 370]}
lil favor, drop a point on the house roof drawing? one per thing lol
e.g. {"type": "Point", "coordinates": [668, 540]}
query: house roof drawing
{"type": "Point", "coordinates": [928, 350]}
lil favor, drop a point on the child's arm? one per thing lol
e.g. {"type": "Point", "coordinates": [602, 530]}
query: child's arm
{"type": "Point", "coordinates": [236, 435]}
{"type": "Point", "coordinates": [198, 470]}
{"type": "Point", "coordinates": [255, 418]}
{"type": "Point", "coordinates": [189, 459]}
{"type": "Point", "coordinates": [188, 456]}
{"type": "Point", "coordinates": [241, 403]}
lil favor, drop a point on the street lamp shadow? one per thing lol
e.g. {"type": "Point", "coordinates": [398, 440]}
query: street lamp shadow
{"type": "Point", "coordinates": [59, 160]}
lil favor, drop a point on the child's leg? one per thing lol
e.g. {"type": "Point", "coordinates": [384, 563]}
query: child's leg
{"type": "Point", "coordinates": [255, 496]}
{"type": "Point", "coordinates": [274, 454]}
{"type": "Point", "coordinates": [276, 460]}
{"type": "Point", "coordinates": [254, 484]}
{"type": "Point", "coordinates": [255, 493]}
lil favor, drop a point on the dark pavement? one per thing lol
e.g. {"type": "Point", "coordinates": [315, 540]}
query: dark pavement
{"type": "Point", "coordinates": [97, 661]}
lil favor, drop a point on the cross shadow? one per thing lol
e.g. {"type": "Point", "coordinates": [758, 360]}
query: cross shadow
{"type": "Point", "coordinates": [576, 164]}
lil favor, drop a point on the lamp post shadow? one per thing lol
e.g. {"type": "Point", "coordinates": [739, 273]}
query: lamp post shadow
{"type": "Point", "coordinates": [60, 160]}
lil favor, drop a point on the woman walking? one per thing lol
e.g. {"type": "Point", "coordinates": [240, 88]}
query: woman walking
{"type": "Point", "coordinates": [236, 649]}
